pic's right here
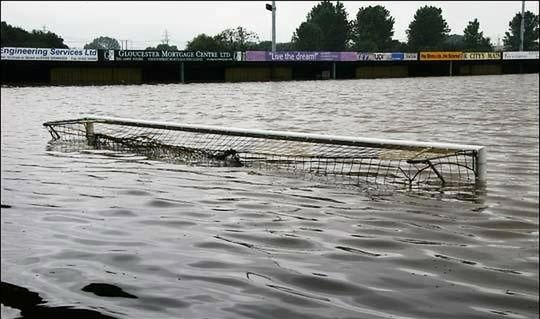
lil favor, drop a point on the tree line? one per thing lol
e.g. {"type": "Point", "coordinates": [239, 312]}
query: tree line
{"type": "Point", "coordinates": [327, 28]}
{"type": "Point", "coordinates": [17, 37]}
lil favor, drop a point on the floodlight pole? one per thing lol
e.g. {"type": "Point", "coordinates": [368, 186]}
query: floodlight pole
{"type": "Point", "coordinates": [273, 26]}
{"type": "Point", "coordinates": [522, 28]}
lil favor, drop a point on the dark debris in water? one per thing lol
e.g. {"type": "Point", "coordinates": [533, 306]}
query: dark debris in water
{"type": "Point", "coordinates": [467, 262]}
{"type": "Point", "coordinates": [107, 290]}
{"type": "Point", "coordinates": [31, 305]}
{"type": "Point", "coordinates": [235, 242]}
{"type": "Point", "coordinates": [359, 251]}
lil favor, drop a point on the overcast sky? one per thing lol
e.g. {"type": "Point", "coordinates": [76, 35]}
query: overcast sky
{"type": "Point", "coordinates": [143, 23]}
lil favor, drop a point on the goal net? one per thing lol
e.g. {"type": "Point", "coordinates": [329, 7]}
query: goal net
{"type": "Point", "coordinates": [355, 159]}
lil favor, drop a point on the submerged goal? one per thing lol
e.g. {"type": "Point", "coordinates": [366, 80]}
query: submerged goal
{"type": "Point", "coordinates": [356, 159]}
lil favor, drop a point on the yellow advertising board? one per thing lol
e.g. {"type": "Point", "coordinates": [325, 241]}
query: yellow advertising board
{"type": "Point", "coordinates": [481, 55]}
{"type": "Point", "coordinates": [441, 56]}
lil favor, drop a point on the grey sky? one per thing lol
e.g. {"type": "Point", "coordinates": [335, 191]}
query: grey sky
{"type": "Point", "coordinates": [144, 23]}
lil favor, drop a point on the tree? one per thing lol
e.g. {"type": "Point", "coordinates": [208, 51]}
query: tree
{"type": "Point", "coordinates": [473, 40]}
{"type": "Point", "coordinates": [373, 29]}
{"type": "Point", "coordinates": [365, 45]}
{"type": "Point", "coordinates": [308, 37]}
{"type": "Point", "coordinates": [284, 46]}
{"type": "Point", "coordinates": [333, 23]}
{"type": "Point", "coordinates": [267, 46]}
{"type": "Point", "coordinates": [264, 46]}
{"type": "Point", "coordinates": [511, 39]}
{"type": "Point", "coordinates": [428, 29]}
{"type": "Point", "coordinates": [203, 42]}
{"type": "Point", "coordinates": [103, 43]}
{"type": "Point", "coordinates": [453, 42]}
{"type": "Point", "coordinates": [18, 37]}
{"type": "Point", "coordinates": [163, 47]}
{"type": "Point", "coordinates": [398, 46]}
{"type": "Point", "coordinates": [238, 39]}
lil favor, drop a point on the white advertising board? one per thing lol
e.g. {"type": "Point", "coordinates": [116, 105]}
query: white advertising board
{"type": "Point", "coordinates": [410, 56]}
{"type": "Point", "coordinates": [375, 56]}
{"type": "Point", "coordinates": [49, 54]}
{"type": "Point", "coordinates": [520, 55]}
{"type": "Point", "coordinates": [386, 56]}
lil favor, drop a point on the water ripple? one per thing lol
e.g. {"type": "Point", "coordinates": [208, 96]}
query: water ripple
{"type": "Point", "coordinates": [116, 235]}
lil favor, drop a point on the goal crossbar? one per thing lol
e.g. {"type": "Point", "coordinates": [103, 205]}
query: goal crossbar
{"type": "Point", "coordinates": [386, 159]}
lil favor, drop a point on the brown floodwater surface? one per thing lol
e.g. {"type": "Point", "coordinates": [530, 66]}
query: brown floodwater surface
{"type": "Point", "coordinates": [118, 235]}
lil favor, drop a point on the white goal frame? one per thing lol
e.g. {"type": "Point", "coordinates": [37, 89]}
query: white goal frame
{"type": "Point", "coordinates": [477, 152]}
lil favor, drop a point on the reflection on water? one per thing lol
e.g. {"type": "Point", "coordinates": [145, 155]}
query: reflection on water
{"type": "Point", "coordinates": [129, 237]}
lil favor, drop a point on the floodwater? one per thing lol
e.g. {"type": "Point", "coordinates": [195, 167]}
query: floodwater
{"type": "Point", "coordinates": [120, 236]}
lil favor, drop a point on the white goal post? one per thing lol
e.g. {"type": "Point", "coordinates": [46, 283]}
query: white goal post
{"type": "Point", "coordinates": [387, 160]}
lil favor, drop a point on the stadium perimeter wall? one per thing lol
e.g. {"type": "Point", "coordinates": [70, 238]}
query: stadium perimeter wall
{"type": "Point", "coordinates": [36, 66]}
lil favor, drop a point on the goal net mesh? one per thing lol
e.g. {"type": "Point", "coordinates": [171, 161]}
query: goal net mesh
{"type": "Point", "coordinates": [354, 161]}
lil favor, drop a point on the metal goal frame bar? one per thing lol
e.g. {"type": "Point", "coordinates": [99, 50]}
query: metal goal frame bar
{"type": "Point", "coordinates": [479, 152]}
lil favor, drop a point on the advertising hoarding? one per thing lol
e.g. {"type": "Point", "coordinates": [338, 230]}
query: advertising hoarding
{"type": "Point", "coordinates": [49, 54]}
{"type": "Point", "coordinates": [300, 56]}
{"type": "Point", "coordinates": [520, 55]}
{"type": "Point", "coordinates": [441, 56]}
{"type": "Point", "coordinates": [169, 56]}
{"type": "Point", "coordinates": [387, 56]}
{"type": "Point", "coordinates": [481, 55]}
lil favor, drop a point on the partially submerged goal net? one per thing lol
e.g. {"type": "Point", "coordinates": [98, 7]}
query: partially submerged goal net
{"type": "Point", "coordinates": [355, 159]}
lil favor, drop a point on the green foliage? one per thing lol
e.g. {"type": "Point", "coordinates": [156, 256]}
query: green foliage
{"type": "Point", "coordinates": [203, 42]}
{"type": "Point", "coordinates": [264, 46]}
{"type": "Point", "coordinates": [333, 24]}
{"type": "Point", "coordinates": [365, 45]}
{"type": "Point", "coordinates": [308, 37]}
{"type": "Point", "coordinates": [103, 43]}
{"type": "Point", "coordinates": [428, 30]}
{"type": "Point", "coordinates": [473, 40]}
{"type": "Point", "coordinates": [453, 42]}
{"type": "Point", "coordinates": [284, 46]}
{"type": "Point", "coordinates": [17, 37]}
{"type": "Point", "coordinates": [267, 46]}
{"type": "Point", "coordinates": [238, 39]}
{"type": "Point", "coordinates": [373, 29]}
{"type": "Point", "coordinates": [530, 37]}
{"type": "Point", "coordinates": [163, 47]}
{"type": "Point", "coordinates": [398, 46]}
